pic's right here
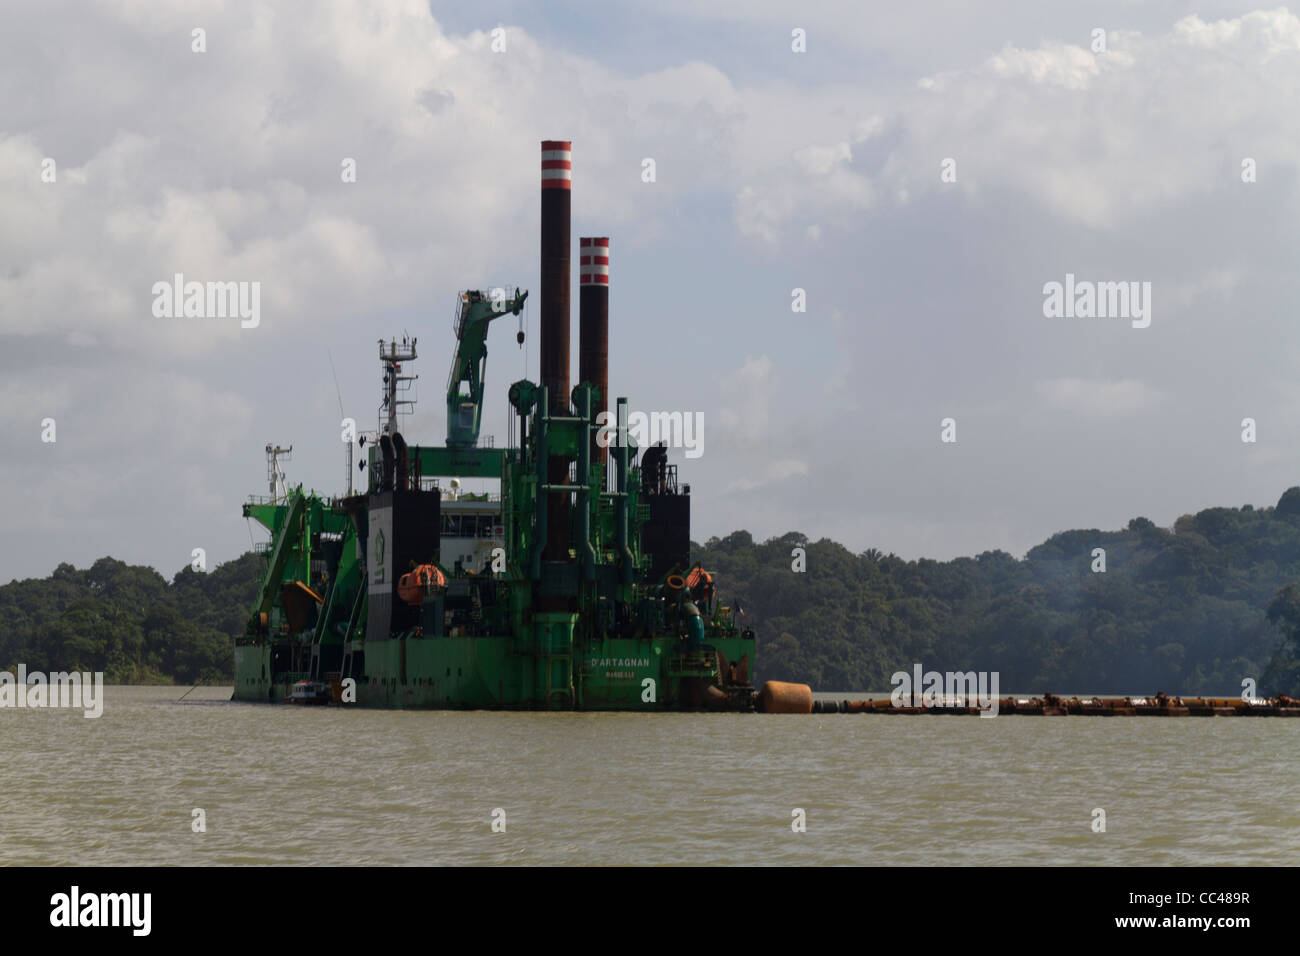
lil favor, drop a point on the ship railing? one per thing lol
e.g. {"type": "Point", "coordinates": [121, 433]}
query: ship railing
{"type": "Point", "coordinates": [693, 661]}
{"type": "Point", "coordinates": [468, 497]}
{"type": "Point", "coordinates": [267, 500]}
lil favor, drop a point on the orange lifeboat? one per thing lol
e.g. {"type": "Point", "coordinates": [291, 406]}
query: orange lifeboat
{"type": "Point", "coordinates": [699, 578]}
{"type": "Point", "coordinates": [413, 586]}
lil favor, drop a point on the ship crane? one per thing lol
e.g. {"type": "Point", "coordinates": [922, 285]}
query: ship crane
{"type": "Point", "coordinates": [465, 384]}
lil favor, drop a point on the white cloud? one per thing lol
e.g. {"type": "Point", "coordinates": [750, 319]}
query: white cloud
{"type": "Point", "coordinates": [1070, 67]}
{"type": "Point", "coordinates": [1098, 398]}
{"type": "Point", "coordinates": [226, 165]}
{"type": "Point", "coordinates": [1085, 136]}
{"type": "Point", "coordinates": [1266, 33]}
{"type": "Point", "coordinates": [1217, 284]}
{"type": "Point", "coordinates": [772, 471]}
{"type": "Point", "coordinates": [748, 395]}
{"type": "Point", "coordinates": [821, 160]}
{"type": "Point", "coordinates": [144, 445]}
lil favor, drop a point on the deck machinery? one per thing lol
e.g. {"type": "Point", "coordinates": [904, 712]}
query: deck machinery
{"type": "Point", "coordinates": [570, 589]}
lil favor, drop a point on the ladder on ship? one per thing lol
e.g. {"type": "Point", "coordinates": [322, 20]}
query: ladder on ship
{"type": "Point", "coordinates": [354, 625]}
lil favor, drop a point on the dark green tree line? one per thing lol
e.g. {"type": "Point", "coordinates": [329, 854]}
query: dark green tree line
{"type": "Point", "coordinates": [1190, 610]}
{"type": "Point", "coordinates": [129, 622]}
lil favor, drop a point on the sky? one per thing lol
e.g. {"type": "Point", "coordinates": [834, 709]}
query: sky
{"type": "Point", "coordinates": [916, 175]}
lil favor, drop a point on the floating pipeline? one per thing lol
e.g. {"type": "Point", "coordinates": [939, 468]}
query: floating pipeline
{"type": "Point", "coordinates": [778, 697]}
{"type": "Point", "coordinates": [1049, 705]}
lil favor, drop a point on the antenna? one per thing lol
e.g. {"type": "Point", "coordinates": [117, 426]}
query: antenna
{"type": "Point", "coordinates": [395, 383]}
{"type": "Point", "coordinates": [274, 473]}
{"type": "Point", "coordinates": [339, 392]}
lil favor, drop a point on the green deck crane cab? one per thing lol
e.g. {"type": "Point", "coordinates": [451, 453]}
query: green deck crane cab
{"type": "Point", "coordinates": [465, 408]}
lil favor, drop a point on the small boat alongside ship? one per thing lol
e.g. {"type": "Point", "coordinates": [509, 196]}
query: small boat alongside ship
{"type": "Point", "coordinates": [311, 692]}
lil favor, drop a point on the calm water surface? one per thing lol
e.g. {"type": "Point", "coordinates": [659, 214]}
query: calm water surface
{"type": "Point", "coordinates": [321, 786]}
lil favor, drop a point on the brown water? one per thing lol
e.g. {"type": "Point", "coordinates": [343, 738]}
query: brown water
{"type": "Point", "coordinates": [281, 784]}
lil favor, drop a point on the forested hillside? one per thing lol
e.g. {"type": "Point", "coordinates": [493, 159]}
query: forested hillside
{"type": "Point", "coordinates": [128, 622]}
{"type": "Point", "coordinates": [1188, 610]}
{"type": "Point", "coordinates": [1183, 610]}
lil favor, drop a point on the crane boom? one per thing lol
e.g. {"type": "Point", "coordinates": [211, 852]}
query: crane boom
{"type": "Point", "coordinates": [465, 384]}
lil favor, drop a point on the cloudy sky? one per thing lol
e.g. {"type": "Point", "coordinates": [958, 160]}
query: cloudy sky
{"type": "Point", "coordinates": [1114, 157]}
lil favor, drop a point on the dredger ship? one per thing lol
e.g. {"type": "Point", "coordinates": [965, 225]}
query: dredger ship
{"type": "Point", "coordinates": [569, 589]}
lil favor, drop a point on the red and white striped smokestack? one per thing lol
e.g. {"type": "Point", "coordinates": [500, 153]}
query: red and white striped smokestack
{"type": "Point", "coordinates": [593, 325]}
{"type": "Point", "coordinates": [557, 181]}
{"type": "Point", "coordinates": [557, 164]}
{"type": "Point", "coordinates": [593, 261]}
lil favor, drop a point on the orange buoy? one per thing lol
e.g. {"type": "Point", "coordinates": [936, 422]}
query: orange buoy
{"type": "Point", "coordinates": [778, 697]}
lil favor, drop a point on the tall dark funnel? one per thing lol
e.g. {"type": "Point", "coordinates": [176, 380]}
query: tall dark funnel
{"type": "Point", "coordinates": [557, 180]}
{"type": "Point", "coordinates": [593, 326]}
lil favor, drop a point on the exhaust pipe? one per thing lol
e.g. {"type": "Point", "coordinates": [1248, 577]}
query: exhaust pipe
{"type": "Point", "coordinates": [557, 183]}
{"type": "Point", "coordinates": [593, 327]}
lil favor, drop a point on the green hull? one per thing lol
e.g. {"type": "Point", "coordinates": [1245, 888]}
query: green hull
{"type": "Point", "coordinates": [495, 673]}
